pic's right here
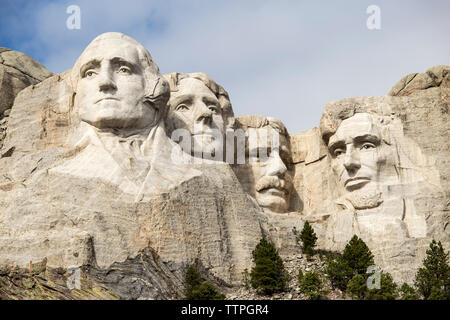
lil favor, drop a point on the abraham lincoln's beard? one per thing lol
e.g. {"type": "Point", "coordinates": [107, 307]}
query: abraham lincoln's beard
{"type": "Point", "coordinates": [365, 199]}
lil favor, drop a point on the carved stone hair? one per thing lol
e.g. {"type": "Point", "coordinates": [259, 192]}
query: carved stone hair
{"type": "Point", "coordinates": [336, 112]}
{"type": "Point", "coordinates": [174, 79]}
{"type": "Point", "coordinates": [256, 122]}
{"type": "Point", "coordinates": [157, 90]}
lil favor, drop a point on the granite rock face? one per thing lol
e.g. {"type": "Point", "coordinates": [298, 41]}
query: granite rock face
{"type": "Point", "coordinates": [17, 71]}
{"type": "Point", "coordinates": [88, 184]}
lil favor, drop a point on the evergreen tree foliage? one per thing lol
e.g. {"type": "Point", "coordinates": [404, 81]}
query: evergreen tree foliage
{"type": "Point", "coordinates": [387, 290]}
{"type": "Point", "coordinates": [408, 293]}
{"type": "Point", "coordinates": [309, 238]}
{"type": "Point", "coordinates": [268, 274]}
{"type": "Point", "coordinates": [195, 288]}
{"type": "Point", "coordinates": [357, 287]}
{"type": "Point", "coordinates": [206, 291]}
{"type": "Point", "coordinates": [433, 279]}
{"type": "Point", "coordinates": [311, 285]}
{"type": "Point", "coordinates": [355, 260]}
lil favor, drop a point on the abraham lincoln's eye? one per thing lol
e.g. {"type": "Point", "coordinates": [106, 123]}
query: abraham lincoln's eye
{"type": "Point", "coordinates": [338, 152]}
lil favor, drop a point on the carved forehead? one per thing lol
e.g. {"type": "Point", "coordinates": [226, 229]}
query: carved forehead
{"type": "Point", "coordinates": [191, 87]}
{"type": "Point", "coordinates": [265, 136]}
{"type": "Point", "coordinates": [108, 49]}
{"type": "Point", "coordinates": [359, 125]}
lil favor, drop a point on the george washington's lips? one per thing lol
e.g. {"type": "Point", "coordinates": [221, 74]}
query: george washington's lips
{"type": "Point", "coordinates": [106, 98]}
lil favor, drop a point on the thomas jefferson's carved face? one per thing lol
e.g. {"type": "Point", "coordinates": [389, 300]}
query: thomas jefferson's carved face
{"type": "Point", "coordinates": [111, 87]}
{"type": "Point", "coordinates": [195, 108]}
{"type": "Point", "coordinates": [268, 167]}
{"type": "Point", "coordinates": [356, 156]}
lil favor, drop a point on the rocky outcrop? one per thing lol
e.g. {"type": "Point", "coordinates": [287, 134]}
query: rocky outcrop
{"type": "Point", "coordinates": [17, 71]}
{"type": "Point", "coordinates": [81, 191]}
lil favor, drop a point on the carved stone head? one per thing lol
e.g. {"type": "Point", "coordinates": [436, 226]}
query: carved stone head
{"type": "Point", "coordinates": [362, 158]}
{"type": "Point", "coordinates": [266, 175]}
{"type": "Point", "coordinates": [200, 106]}
{"type": "Point", "coordinates": [117, 84]}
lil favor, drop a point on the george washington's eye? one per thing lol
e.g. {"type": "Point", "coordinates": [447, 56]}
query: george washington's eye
{"type": "Point", "coordinates": [367, 146]}
{"type": "Point", "coordinates": [90, 73]}
{"type": "Point", "coordinates": [124, 70]}
{"type": "Point", "coordinates": [182, 107]}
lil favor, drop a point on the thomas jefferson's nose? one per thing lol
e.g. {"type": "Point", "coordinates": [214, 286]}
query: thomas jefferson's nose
{"type": "Point", "coordinates": [351, 162]}
{"type": "Point", "coordinates": [203, 113]}
{"type": "Point", "coordinates": [276, 166]}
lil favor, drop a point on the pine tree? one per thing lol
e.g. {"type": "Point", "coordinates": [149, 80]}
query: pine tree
{"type": "Point", "coordinates": [408, 292]}
{"type": "Point", "coordinates": [206, 291]}
{"type": "Point", "coordinates": [192, 281]}
{"type": "Point", "coordinates": [433, 279]}
{"type": "Point", "coordinates": [311, 285]}
{"type": "Point", "coordinates": [268, 274]}
{"type": "Point", "coordinates": [387, 290]}
{"type": "Point", "coordinates": [357, 287]}
{"type": "Point", "coordinates": [195, 288]}
{"type": "Point", "coordinates": [355, 260]}
{"type": "Point", "coordinates": [309, 238]}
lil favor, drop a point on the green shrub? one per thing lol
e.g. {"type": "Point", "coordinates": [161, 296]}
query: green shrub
{"type": "Point", "coordinates": [311, 285]}
{"type": "Point", "coordinates": [357, 287]}
{"type": "Point", "coordinates": [195, 288]}
{"type": "Point", "coordinates": [408, 293]}
{"type": "Point", "coordinates": [308, 238]}
{"type": "Point", "coordinates": [387, 291]}
{"type": "Point", "coordinates": [355, 260]}
{"type": "Point", "coordinates": [433, 279]}
{"type": "Point", "coordinates": [268, 274]}
{"type": "Point", "coordinates": [206, 291]}
{"type": "Point", "coordinates": [192, 281]}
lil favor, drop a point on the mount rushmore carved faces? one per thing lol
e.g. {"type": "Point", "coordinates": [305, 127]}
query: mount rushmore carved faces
{"type": "Point", "coordinates": [115, 81]}
{"type": "Point", "coordinates": [266, 175]}
{"type": "Point", "coordinates": [201, 107]}
{"type": "Point", "coordinates": [361, 158]}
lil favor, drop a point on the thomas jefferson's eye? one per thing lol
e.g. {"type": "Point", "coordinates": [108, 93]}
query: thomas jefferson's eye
{"type": "Point", "coordinates": [124, 70]}
{"type": "Point", "coordinates": [213, 108]}
{"type": "Point", "coordinates": [182, 107]}
{"type": "Point", "coordinates": [367, 146]}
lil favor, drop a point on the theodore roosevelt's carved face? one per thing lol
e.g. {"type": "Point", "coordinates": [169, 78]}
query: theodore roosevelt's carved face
{"type": "Point", "coordinates": [111, 87]}
{"type": "Point", "coordinates": [266, 175]}
{"type": "Point", "coordinates": [195, 108]}
{"type": "Point", "coordinates": [356, 153]}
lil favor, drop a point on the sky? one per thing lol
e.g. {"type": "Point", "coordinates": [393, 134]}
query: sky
{"type": "Point", "coordinates": [283, 59]}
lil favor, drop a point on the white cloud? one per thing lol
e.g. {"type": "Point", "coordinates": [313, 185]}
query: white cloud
{"type": "Point", "coordinates": [285, 59]}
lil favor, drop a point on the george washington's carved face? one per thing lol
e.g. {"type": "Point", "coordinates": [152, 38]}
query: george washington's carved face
{"type": "Point", "coordinates": [111, 87]}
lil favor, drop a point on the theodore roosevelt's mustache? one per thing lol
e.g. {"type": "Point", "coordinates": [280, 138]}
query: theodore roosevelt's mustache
{"type": "Point", "coordinates": [268, 182]}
